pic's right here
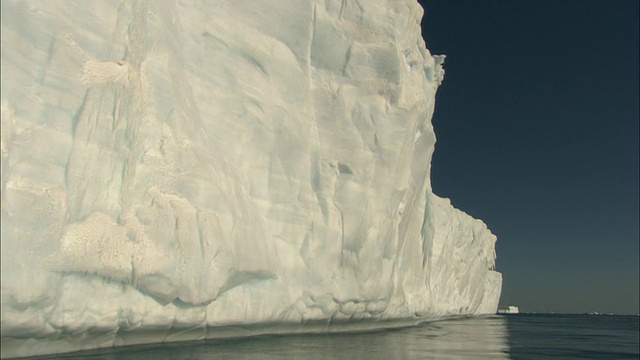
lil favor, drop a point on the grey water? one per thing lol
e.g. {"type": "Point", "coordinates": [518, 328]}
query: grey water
{"type": "Point", "coordinates": [521, 336]}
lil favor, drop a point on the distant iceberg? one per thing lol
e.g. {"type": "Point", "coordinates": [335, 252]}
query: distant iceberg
{"type": "Point", "coordinates": [173, 170]}
{"type": "Point", "coordinates": [509, 310]}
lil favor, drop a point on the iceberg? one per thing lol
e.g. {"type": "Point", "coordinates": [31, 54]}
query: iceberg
{"type": "Point", "coordinates": [185, 170]}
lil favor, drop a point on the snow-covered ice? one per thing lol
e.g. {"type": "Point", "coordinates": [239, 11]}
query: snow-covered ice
{"type": "Point", "coordinates": [171, 169]}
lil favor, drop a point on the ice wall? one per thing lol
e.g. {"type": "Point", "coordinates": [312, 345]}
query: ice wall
{"type": "Point", "coordinates": [171, 169]}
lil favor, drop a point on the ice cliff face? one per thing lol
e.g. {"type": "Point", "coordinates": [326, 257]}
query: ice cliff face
{"type": "Point", "coordinates": [174, 168]}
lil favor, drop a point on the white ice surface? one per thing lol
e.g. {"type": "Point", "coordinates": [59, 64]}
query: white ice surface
{"type": "Point", "coordinates": [171, 169]}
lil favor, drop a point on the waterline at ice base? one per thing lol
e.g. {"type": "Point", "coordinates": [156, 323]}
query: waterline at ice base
{"type": "Point", "coordinates": [184, 170]}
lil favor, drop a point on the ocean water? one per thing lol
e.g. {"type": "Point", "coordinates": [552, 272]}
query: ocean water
{"type": "Point", "coordinates": [522, 336]}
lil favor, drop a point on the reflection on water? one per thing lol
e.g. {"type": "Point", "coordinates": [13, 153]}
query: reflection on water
{"type": "Point", "coordinates": [524, 336]}
{"type": "Point", "coordinates": [473, 338]}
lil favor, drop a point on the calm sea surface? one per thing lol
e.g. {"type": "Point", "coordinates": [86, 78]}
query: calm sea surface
{"type": "Point", "coordinates": [496, 337]}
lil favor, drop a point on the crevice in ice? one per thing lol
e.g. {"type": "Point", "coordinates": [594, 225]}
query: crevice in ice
{"type": "Point", "coordinates": [344, 169]}
{"type": "Point", "coordinates": [245, 277]}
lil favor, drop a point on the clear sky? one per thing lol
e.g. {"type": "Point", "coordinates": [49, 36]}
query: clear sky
{"type": "Point", "coordinates": [537, 135]}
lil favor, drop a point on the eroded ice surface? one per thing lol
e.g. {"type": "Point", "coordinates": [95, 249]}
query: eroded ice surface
{"type": "Point", "coordinates": [177, 167]}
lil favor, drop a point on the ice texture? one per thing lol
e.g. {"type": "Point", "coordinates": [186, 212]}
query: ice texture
{"type": "Point", "coordinates": [172, 170]}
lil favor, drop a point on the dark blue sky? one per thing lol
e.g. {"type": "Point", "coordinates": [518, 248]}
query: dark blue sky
{"type": "Point", "coordinates": [537, 128]}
